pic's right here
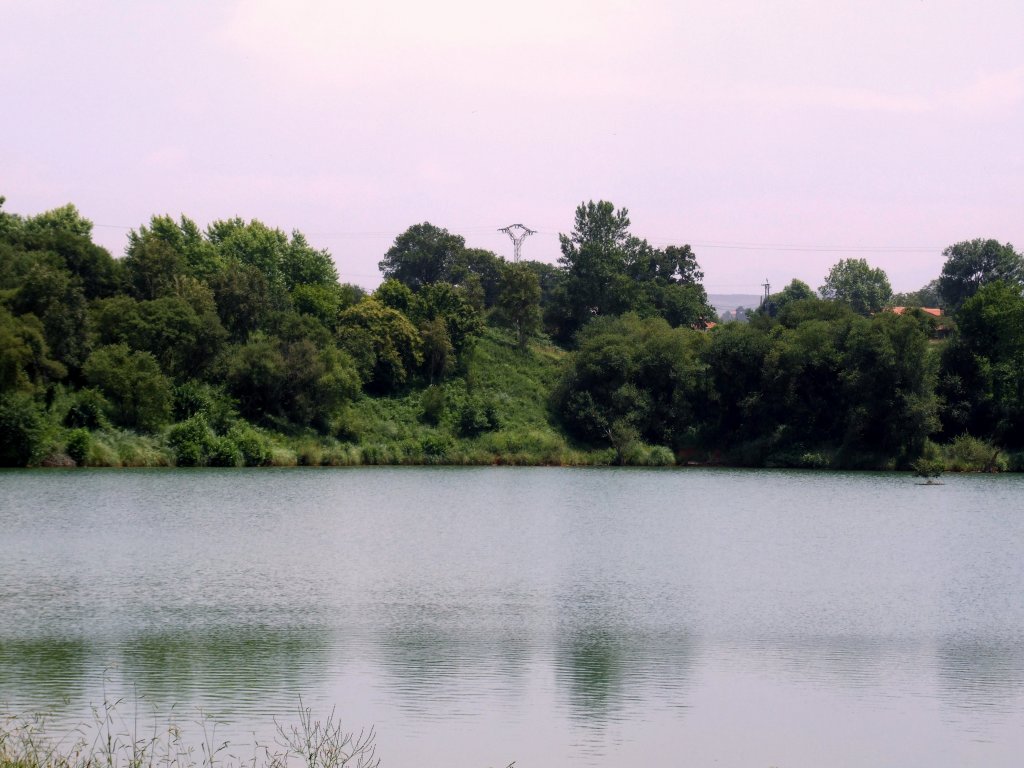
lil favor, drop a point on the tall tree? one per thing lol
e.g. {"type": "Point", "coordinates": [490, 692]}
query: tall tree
{"type": "Point", "coordinates": [594, 258]}
{"type": "Point", "coordinates": [797, 290]}
{"type": "Point", "coordinates": [519, 301]}
{"type": "Point", "coordinates": [422, 255]}
{"type": "Point", "coordinates": [855, 282]}
{"type": "Point", "coordinates": [633, 374]}
{"type": "Point", "coordinates": [973, 263]}
{"type": "Point", "coordinates": [386, 347]}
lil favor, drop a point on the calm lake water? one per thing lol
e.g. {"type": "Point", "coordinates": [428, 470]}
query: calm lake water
{"type": "Point", "coordinates": [554, 617]}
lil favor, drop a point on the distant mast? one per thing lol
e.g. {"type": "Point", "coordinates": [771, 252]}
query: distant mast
{"type": "Point", "coordinates": [518, 233]}
{"type": "Point", "coordinates": [767, 290]}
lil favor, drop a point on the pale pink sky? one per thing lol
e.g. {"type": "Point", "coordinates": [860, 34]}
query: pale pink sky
{"type": "Point", "coordinates": [877, 129]}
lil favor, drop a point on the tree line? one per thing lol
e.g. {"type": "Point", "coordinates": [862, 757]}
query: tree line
{"type": "Point", "coordinates": [213, 339]}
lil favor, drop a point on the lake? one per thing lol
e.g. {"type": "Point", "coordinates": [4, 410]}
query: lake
{"type": "Point", "coordinates": [551, 617]}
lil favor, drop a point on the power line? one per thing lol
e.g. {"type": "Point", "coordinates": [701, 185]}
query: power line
{"type": "Point", "coordinates": [711, 244]}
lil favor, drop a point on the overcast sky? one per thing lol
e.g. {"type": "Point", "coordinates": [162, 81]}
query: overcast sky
{"type": "Point", "coordinates": [775, 137]}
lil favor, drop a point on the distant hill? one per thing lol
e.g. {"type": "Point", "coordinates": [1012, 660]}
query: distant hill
{"type": "Point", "coordinates": [729, 301]}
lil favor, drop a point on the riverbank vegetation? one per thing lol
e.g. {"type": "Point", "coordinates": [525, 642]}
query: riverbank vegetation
{"type": "Point", "coordinates": [236, 345]}
{"type": "Point", "coordinates": [115, 739]}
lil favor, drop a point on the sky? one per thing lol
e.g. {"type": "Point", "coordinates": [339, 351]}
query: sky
{"type": "Point", "coordinates": [776, 138]}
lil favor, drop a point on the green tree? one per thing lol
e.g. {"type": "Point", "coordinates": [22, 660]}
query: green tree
{"type": "Point", "coordinates": [438, 352]}
{"type": "Point", "coordinates": [594, 257]}
{"type": "Point", "coordinates": [925, 296]}
{"type": "Point", "coordinates": [670, 284]}
{"type": "Point", "coordinates": [446, 302]}
{"type": "Point", "coordinates": [519, 301]}
{"type": "Point", "coordinates": [991, 333]}
{"type": "Point", "coordinates": [25, 362]}
{"type": "Point", "coordinates": [855, 282]}
{"type": "Point", "coordinates": [301, 264]}
{"type": "Point", "coordinates": [291, 377]}
{"type": "Point", "coordinates": [323, 301]}
{"type": "Point", "coordinates": [888, 380]}
{"type": "Point", "coordinates": [797, 290]}
{"type": "Point", "coordinates": [394, 294]}
{"type": "Point", "coordinates": [422, 255]}
{"type": "Point", "coordinates": [735, 363]}
{"type": "Point", "coordinates": [478, 269]}
{"type": "Point", "coordinates": [635, 373]}
{"type": "Point", "coordinates": [140, 395]}
{"type": "Point", "coordinates": [57, 299]}
{"type": "Point", "coordinates": [60, 239]}
{"type": "Point", "coordinates": [23, 430]}
{"type": "Point", "coordinates": [184, 341]}
{"type": "Point", "coordinates": [197, 255]}
{"type": "Point", "coordinates": [244, 298]}
{"type": "Point", "coordinates": [385, 345]}
{"type": "Point", "coordinates": [152, 266]}
{"type": "Point", "coordinates": [67, 218]}
{"type": "Point", "coordinates": [973, 263]}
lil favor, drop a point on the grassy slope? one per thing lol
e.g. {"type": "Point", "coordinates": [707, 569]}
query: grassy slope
{"type": "Point", "coordinates": [516, 384]}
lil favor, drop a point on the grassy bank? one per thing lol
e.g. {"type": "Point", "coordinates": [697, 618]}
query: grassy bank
{"type": "Point", "coordinates": [495, 412]}
{"type": "Point", "coordinates": [114, 738]}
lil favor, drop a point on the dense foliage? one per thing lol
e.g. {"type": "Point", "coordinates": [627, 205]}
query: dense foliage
{"type": "Point", "coordinates": [236, 344]}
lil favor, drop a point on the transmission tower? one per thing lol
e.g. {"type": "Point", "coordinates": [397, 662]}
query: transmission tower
{"type": "Point", "coordinates": [518, 233]}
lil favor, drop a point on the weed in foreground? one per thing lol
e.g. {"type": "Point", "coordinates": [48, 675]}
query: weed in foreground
{"type": "Point", "coordinates": [112, 741]}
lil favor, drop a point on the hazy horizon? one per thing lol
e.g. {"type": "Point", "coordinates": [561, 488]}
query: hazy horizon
{"type": "Point", "coordinates": [774, 140]}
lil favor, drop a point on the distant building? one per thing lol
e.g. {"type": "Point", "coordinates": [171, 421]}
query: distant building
{"type": "Point", "coordinates": [939, 330]}
{"type": "Point", "coordinates": [934, 311]}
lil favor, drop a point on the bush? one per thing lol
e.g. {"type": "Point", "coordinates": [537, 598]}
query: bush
{"type": "Point", "coordinates": [224, 453]}
{"type": "Point", "coordinates": [639, 454]}
{"type": "Point", "coordinates": [436, 444]}
{"type": "Point", "coordinates": [969, 454]}
{"type": "Point", "coordinates": [88, 410]}
{"type": "Point", "coordinates": [77, 446]}
{"type": "Point", "coordinates": [118, 448]}
{"type": "Point", "coordinates": [254, 448]}
{"type": "Point", "coordinates": [139, 394]}
{"type": "Point", "coordinates": [433, 403]}
{"type": "Point", "coordinates": [476, 416]}
{"type": "Point", "coordinates": [192, 442]}
{"type": "Point", "coordinates": [195, 397]}
{"type": "Point", "coordinates": [928, 468]}
{"type": "Point", "coordinates": [22, 430]}
{"type": "Point", "coordinates": [1015, 461]}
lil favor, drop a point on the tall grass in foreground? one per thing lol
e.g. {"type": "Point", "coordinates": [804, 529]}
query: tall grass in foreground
{"type": "Point", "coordinates": [112, 740]}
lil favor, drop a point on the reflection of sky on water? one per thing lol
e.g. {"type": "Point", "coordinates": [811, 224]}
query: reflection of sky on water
{"type": "Point", "coordinates": [544, 634]}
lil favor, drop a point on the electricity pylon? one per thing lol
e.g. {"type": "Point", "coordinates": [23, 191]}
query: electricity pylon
{"type": "Point", "coordinates": [518, 233]}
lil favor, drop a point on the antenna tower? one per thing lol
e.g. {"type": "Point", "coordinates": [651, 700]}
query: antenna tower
{"type": "Point", "coordinates": [518, 233]}
{"type": "Point", "coordinates": [767, 289]}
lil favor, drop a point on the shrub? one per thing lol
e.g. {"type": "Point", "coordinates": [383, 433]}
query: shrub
{"type": "Point", "coordinates": [1015, 461]}
{"type": "Point", "coordinates": [88, 410]}
{"type": "Point", "coordinates": [433, 403]}
{"type": "Point", "coordinates": [22, 430]}
{"type": "Point", "coordinates": [970, 454]}
{"type": "Point", "coordinates": [928, 468]}
{"type": "Point", "coordinates": [254, 448]}
{"type": "Point", "coordinates": [195, 397]}
{"type": "Point", "coordinates": [77, 446]}
{"type": "Point", "coordinates": [140, 395]}
{"type": "Point", "coordinates": [224, 453]}
{"type": "Point", "coordinates": [192, 442]}
{"type": "Point", "coordinates": [476, 416]}
{"type": "Point", "coordinates": [436, 444]}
